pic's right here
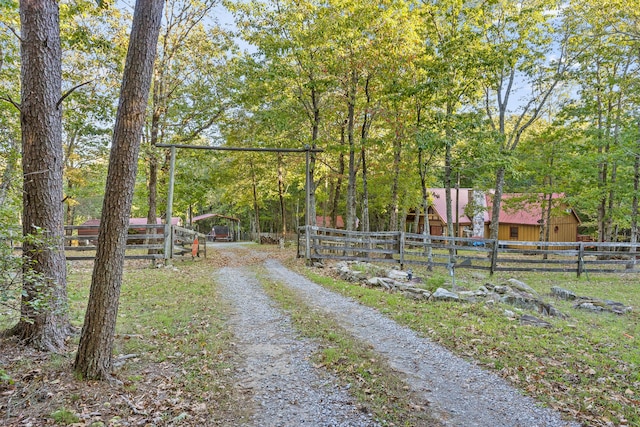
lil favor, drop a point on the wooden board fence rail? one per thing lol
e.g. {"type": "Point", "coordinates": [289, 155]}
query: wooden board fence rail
{"type": "Point", "coordinates": [143, 242]}
{"type": "Point", "coordinates": [317, 243]}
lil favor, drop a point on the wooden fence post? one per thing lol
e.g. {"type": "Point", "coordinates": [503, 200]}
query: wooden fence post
{"type": "Point", "coordinates": [167, 243]}
{"type": "Point", "coordinates": [401, 249]}
{"type": "Point", "coordinates": [580, 258]}
{"type": "Point", "coordinates": [307, 249]}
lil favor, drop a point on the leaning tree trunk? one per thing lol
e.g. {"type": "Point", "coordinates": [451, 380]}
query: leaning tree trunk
{"type": "Point", "coordinates": [45, 326]}
{"type": "Point", "coordinates": [94, 357]}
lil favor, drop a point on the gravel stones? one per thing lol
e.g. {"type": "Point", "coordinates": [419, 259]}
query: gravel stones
{"type": "Point", "coordinates": [459, 392]}
{"type": "Point", "coordinates": [286, 390]}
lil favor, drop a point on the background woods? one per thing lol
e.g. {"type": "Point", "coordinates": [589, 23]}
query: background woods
{"type": "Point", "coordinates": [534, 98]}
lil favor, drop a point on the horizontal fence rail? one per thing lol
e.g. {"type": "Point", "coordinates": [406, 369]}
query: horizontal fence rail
{"type": "Point", "coordinates": [143, 242]}
{"type": "Point", "coordinates": [317, 243]}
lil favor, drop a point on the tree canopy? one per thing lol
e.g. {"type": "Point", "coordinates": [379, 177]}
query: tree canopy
{"type": "Point", "coordinates": [535, 96]}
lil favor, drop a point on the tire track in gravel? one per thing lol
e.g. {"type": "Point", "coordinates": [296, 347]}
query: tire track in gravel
{"type": "Point", "coordinates": [460, 393]}
{"type": "Point", "coordinates": [286, 390]}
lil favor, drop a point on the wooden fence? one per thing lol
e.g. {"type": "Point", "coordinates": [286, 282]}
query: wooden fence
{"type": "Point", "coordinates": [316, 243]}
{"type": "Point", "coordinates": [143, 242]}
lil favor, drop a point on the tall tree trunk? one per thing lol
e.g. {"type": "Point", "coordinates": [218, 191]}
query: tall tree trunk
{"type": "Point", "coordinates": [497, 201]}
{"type": "Point", "coordinates": [157, 99]}
{"type": "Point", "coordinates": [351, 184]}
{"type": "Point", "coordinates": [447, 177]}
{"type": "Point", "coordinates": [44, 327]}
{"type": "Point", "coordinates": [256, 211]}
{"type": "Point", "coordinates": [364, 134]}
{"type": "Point", "coordinates": [315, 126]}
{"type": "Point", "coordinates": [397, 153]}
{"type": "Point", "coordinates": [426, 231]}
{"type": "Point", "coordinates": [338, 185]}
{"type": "Point", "coordinates": [281, 191]}
{"type": "Point", "coordinates": [614, 170]}
{"type": "Point", "coordinates": [634, 204]}
{"type": "Point", "coordinates": [365, 192]}
{"type": "Point", "coordinates": [152, 179]}
{"type": "Point", "coordinates": [94, 357]}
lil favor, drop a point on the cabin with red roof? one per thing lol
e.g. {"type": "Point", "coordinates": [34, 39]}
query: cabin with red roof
{"type": "Point", "coordinates": [476, 226]}
{"type": "Point", "coordinates": [325, 221]}
{"type": "Point", "coordinates": [89, 228]}
{"type": "Point", "coordinates": [522, 216]}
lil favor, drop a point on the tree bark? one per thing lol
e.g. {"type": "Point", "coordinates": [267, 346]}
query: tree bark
{"type": "Point", "coordinates": [94, 357]}
{"type": "Point", "coordinates": [497, 201]}
{"type": "Point", "coordinates": [338, 185]}
{"type": "Point", "coordinates": [364, 135]}
{"type": "Point", "coordinates": [256, 211]}
{"type": "Point", "coordinates": [43, 327]}
{"type": "Point", "coordinates": [281, 192]}
{"type": "Point", "coordinates": [397, 153]}
{"type": "Point", "coordinates": [351, 183]}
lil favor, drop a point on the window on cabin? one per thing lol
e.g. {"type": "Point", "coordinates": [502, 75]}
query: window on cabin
{"type": "Point", "coordinates": [513, 232]}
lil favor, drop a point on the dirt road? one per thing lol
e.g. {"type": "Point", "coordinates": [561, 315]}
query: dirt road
{"type": "Point", "coordinates": [287, 390]}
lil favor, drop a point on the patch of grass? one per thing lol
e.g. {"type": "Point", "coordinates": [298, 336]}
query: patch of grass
{"type": "Point", "coordinates": [435, 281]}
{"type": "Point", "coordinates": [585, 366]}
{"type": "Point", "coordinates": [173, 316]}
{"type": "Point", "coordinates": [64, 417]}
{"type": "Point", "coordinates": [5, 378]}
{"type": "Point", "coordinates": [371, 380]}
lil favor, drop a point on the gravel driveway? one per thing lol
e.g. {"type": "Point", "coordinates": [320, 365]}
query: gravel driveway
{"type": "Point", "coordinates": [288, 391]}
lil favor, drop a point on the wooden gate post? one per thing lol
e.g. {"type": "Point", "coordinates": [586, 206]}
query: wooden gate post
{"type": "Point", "coordinates": [307, 245]}
{"type": "Point", "coordinates": [168, 234]}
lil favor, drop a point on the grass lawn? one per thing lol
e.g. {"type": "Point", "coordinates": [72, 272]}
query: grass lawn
{"type": "Point", "coordinates": [173, 354]}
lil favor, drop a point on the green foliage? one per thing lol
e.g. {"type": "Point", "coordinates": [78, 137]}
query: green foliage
{"type": "Point", "coordinates": [5, 378]}
{"type": "Point", "coordinates": [65, 417]}
{"type": "Point", "coordinates": [471, 88]}
{"type": "Point", "coordinates": [16, 270]}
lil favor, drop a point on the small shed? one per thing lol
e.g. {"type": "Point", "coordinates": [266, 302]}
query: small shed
{"type": "Point", "coordinates": [217, 227]}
